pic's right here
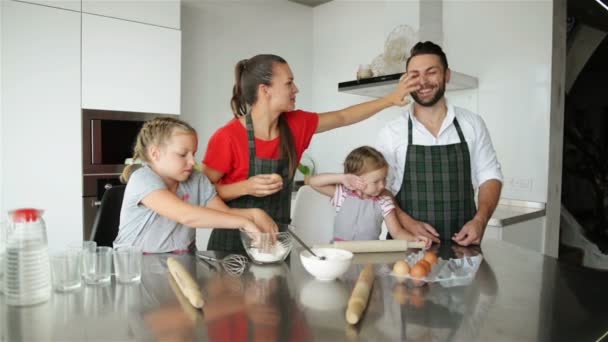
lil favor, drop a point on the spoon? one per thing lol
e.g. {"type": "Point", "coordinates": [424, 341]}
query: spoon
{"type": "Point", "coordinates": [304, 245]}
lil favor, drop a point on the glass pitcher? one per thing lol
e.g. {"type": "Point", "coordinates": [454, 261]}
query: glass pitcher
{"type": "Point", "coordinates": [27, 270]}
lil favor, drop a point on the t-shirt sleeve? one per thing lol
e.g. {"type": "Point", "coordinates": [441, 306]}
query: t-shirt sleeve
{"type": "Point", "coordinates": [206, 190]}
{"type": "Point", "coordinates": [142, 183]}
{"type": "Point", "coordinates": [387, 205]}
{"type": "Point", "coordinates": [303, 126]}
{"type": "Point", "coordinates": [219, 151]}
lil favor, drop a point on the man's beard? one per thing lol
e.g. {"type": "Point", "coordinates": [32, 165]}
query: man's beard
{"type": "Point", "coordinates": [438, 95]}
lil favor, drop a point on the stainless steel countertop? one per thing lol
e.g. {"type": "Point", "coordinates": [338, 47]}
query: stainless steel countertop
{"type": "Point", "coordinates": [517, 295]}
{"type": "Point", "coordinates": [509, 212]}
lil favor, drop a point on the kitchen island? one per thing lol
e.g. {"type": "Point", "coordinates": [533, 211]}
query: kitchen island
{"type": "Point", "coordinates": [517, 295]}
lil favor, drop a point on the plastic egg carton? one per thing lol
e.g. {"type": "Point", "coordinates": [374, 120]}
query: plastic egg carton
{"type": "Point", "coordinates": [448, 273]}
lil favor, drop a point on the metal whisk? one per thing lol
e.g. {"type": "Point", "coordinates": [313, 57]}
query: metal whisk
{"type": "Point", "coordinates": [234, 264]}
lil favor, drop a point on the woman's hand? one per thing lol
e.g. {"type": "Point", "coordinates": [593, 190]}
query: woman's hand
{"type": "Point", "coordinates": [353, 182]}
{"type": "Point", "coordinates": [264, 185]}
{"type": "Point", "coordinates": [407, 83]}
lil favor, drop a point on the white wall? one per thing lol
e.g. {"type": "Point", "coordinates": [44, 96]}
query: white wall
{"type": "Point", "coordinates": [505, 44]}
{"type": "Point", "coordinates": [347, 34]}
{"type": "Point", "coordinates": [216, 35]}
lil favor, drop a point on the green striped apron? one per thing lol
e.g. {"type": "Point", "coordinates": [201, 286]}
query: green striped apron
{"type": "Point", "coordinates": [277, 205]}
{"type": "Point", "coordinates": [437, 186]}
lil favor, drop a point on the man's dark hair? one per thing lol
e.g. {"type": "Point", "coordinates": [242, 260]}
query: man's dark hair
{"type": "Point", "coordinates": [427, 48]}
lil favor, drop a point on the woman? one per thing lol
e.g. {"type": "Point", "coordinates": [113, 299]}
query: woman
{"type": "Point", "coordinates": [253, 158]}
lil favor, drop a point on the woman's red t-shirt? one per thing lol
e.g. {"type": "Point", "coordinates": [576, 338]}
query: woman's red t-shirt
{"type": "Point", "coordinates": [228, 150]}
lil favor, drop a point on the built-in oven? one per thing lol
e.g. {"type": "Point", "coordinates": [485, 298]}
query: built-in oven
{"type": "Point", "coordinates": [108, 138]}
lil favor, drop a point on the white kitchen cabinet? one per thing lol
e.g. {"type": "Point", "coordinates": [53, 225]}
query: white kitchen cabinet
{"type": "Point", "coordinates": [130, 66]}
{"type": "Point", "coordinates": [161, 13]}
{"type": "Point", "coordinates": [41, 125]}
{"type": "Point", "coordinates": [73, 5]}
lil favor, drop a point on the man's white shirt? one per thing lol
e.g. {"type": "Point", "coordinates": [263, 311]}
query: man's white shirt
{"type": "Point", "coordinates": [392, 143]}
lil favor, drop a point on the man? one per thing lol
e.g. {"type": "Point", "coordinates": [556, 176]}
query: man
{"type": "Point", "coordinates": [438, 156]}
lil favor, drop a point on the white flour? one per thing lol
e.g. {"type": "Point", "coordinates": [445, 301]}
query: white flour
{"type": "Point", "coordinates": [275, 253]}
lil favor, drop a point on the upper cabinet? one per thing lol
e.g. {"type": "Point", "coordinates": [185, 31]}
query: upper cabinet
{"type": "Point", "coordinates": [73, 5]}
{"type": "Point", "coordinates": [41, 120]}
{"type": "Point", "coordinates": [164, 13]}
{"type": "Point", "coordinates": [130, 66]}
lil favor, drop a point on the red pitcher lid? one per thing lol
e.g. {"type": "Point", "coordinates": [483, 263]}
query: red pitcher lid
{"type": "Point", "coordinates": [25, 214]}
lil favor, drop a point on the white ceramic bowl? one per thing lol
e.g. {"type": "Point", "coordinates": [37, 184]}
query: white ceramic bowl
{"type": "Point", "coordinates": [336, 263]}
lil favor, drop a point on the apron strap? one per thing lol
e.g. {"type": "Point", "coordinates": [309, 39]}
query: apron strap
{"type": "Point", "coordinates": [250, 141]}
{"type": "Point", "coordinates": [460, 134]}
{"type": "Point", "coordinates": [409, 130]}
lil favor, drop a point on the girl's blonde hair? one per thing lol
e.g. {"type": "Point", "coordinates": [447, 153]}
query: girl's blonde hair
{"type": "Point", "coordinates": [364, 159]}
{"type": "Point", "coordinates": [155, 132]}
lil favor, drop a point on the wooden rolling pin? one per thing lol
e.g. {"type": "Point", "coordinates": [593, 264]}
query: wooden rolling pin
{"type": "Point", "coordinates": [186, 283]}
{"type": "Point", "coordinates": [369, 246]}
{"type": "Point", "coordinates": [360, 296]}
{"type": "Point", "coordinates": [189, 310]}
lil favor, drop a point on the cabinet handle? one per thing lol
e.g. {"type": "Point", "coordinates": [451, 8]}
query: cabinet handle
{"type": "Point", "coordinates": [108, 186]}
{"type": "Point", "coordinates": [97, 204]}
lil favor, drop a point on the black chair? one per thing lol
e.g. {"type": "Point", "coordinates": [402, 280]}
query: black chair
{"type": "Point", "coordinates": [105, 226]}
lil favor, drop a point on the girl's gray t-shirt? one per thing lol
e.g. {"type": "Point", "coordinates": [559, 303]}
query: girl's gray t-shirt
{"type": "Point", "coordinates": [142, 227]}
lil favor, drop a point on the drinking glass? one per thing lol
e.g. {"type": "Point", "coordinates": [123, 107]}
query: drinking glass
{"type": "Point", "coordinates": [127, 264]}
{"type": "Point", "coordinates": [66, 268]}
{"type": "Point", "coordinates": [97, 265]}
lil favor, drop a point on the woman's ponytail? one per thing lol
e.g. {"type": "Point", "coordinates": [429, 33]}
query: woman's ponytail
{"type": "Point", "coordinates": [239, 107]}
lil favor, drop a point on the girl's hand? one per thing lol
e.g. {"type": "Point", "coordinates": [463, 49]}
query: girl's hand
{"type": "Point", "coordinates": [353, 182]}
{"type": "Point", "coordinates": [427, 242]}
{"type": "Point", "coordinates": [264, 185]}
{"type": "Point", "coordinates": [251, 227]}
{"type": "Point", "coordinates": [408, 83]}
{"type": "Point", "coordinates": [264, 222]}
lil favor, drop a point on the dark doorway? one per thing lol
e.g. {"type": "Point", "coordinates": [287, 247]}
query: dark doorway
{"type": "Point", "coordinates": [585, 158]}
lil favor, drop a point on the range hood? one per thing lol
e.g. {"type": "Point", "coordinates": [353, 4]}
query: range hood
{"type": "Point", "coordinates": [383, 85]}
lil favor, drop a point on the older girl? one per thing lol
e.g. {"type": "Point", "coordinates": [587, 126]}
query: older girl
{"type": "Point", "coordinates": [166, 197]}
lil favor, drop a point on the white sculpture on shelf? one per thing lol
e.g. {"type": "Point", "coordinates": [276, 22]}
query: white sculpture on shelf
{"type": "Point", "coordinates": [396, 51]}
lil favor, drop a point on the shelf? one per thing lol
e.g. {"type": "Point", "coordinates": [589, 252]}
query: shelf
{"type": "Point", "coordinates": [382, 85]}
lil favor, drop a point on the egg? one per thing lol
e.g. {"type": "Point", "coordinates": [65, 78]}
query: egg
{"type": "Point", "coordinates": [426, 265]}
{"type": "Point", "coordinates": [430, 257]}
{"type": "Point", "coordinates": [401, 268]}
{"type": "Point", "coordinates": [418, 271]}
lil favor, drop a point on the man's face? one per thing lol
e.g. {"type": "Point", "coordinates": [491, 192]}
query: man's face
{"type": "Point", "coordinates": [432, 78]}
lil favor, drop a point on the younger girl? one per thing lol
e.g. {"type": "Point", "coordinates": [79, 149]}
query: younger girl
{"type": "Point", "coordinates": [166, 197]}
{"type": "Point", "coordinates": [357, 196]}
